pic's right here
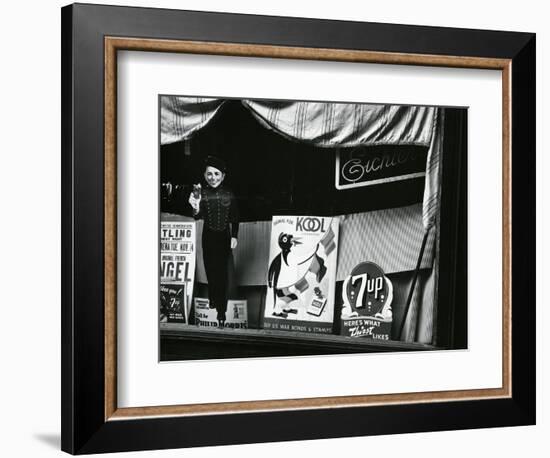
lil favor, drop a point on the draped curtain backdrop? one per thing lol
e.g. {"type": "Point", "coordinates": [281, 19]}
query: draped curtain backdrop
{"type": "Point", "coordinates": [181, 117]}
{"type": "Point", "coordinates": [325, 125]}
{"type": "Point", "coordinates": [331, 125]}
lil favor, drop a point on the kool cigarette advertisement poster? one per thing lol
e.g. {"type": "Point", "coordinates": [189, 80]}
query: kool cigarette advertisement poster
{"type": "Point", "coordinates": [177, 269]}
{"type": "Point", "coordinates": [302, 274]}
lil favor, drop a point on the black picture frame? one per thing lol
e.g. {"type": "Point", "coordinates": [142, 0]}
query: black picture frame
{"type": "Point", "coordinates": [86, 428]}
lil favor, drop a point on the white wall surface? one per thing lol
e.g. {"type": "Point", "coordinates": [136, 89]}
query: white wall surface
{"type": "Point", "coordinates": [30, 230]}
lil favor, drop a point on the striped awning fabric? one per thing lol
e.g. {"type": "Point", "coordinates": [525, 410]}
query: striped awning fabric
{"type": "Point", "coordinates": [326, 124]}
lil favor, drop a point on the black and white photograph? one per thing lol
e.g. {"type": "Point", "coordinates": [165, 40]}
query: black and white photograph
{"type": "Point", "coordinates": [294, 227]}
{"type": "Point", "coordinates": [274, 229]}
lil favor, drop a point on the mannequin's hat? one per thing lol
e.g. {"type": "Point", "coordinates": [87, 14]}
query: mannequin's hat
{"type": "Point", "coordinates": [216, 162]}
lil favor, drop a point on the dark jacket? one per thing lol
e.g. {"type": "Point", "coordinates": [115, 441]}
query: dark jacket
{"type": "Point", "coordinates": [218, 208]}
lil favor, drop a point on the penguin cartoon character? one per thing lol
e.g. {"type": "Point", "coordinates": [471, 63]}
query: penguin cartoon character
{"type": "Point", "coordinates": [286, 242]}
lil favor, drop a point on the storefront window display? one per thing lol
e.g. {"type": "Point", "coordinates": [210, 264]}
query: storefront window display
{"type": "Point", "coordinates": [310, 227]}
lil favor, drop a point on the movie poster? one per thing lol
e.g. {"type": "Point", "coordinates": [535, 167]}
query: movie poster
{"type": "Point", "coordinates": [177, 270]}
{"type": "Point", "coordinates": [302, 274]}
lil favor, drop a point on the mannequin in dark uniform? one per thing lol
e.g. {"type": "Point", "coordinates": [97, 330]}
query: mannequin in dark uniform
{"type": "Point", "coordinates": [216, 204]}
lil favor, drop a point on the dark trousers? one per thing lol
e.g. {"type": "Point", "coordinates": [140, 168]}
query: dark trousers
{"type": "Point", "coordinates": [216, 249]}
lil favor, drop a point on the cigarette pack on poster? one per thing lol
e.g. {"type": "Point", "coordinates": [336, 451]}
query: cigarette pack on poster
{"type": "Point", "coordinates": [302, 274]}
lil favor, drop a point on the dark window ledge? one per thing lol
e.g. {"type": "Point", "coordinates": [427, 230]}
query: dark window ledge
{"type": "Point", "coordinates": [181, 342]}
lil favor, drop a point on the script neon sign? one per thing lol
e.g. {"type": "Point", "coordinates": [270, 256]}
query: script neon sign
{"type": "Point", "coordinates": [369, 167]}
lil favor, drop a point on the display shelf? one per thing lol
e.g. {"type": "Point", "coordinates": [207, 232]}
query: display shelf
{"type": "Point", "coordinates": [179, 342]}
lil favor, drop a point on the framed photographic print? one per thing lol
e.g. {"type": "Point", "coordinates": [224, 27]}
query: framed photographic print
{"type": "Point", "coordinates": [273, 221]}
{"type": "Point", "coordinates": [274, 245]}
